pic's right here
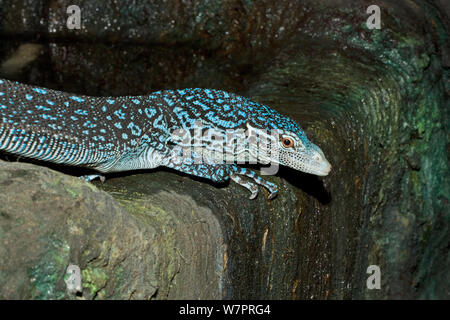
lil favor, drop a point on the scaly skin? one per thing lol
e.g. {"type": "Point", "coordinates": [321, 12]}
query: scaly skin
{"type": "Point", "coordinates": [111, 134]}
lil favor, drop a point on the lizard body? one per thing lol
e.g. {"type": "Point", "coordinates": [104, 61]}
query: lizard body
{"type": "Point", "coordinates": [111, 134]}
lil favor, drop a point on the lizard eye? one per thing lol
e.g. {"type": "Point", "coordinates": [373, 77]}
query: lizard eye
{"type": "Point", "coordinates": [287, 142]}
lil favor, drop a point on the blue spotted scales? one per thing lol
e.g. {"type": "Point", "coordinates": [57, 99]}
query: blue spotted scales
{"type": "Point", "coordinates": [111, 134]}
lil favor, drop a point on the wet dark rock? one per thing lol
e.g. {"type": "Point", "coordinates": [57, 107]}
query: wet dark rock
{"type": "Point", "coordinates": [376, 101]}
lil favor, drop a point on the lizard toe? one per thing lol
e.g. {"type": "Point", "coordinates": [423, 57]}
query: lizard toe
{"type": "Point", "coordinates": [272, 194]}
{"type": "Point", "coordinates": [254, 194]}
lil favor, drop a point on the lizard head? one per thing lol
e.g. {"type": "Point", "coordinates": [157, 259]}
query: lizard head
{"type": "Point", "coordinates": [290, 147]}
{"type": "Point", "coordinates": [297, 152]}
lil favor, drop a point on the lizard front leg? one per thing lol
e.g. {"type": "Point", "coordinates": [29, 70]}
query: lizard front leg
{"type": "Point", "coordinates": [194, 166]}
{"type": "Point", "coordinates": [220, 172]}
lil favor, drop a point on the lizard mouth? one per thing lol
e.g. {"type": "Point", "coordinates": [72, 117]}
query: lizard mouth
{"type": "Point", "coordinates": [307, 164]}
{"type": "Point", "coordinates": [320, 169]}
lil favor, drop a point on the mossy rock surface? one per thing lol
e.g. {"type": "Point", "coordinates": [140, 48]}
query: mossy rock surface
{"type": "Point", "coordinates": [139, 249]}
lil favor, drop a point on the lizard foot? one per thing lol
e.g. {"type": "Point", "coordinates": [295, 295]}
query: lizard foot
{"type": "Point", "coordinates": [90, 177]}
{"type": "Point", "coordinates": [271, 187]}
{"type": "Point", "coordinates": [253, 188]}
